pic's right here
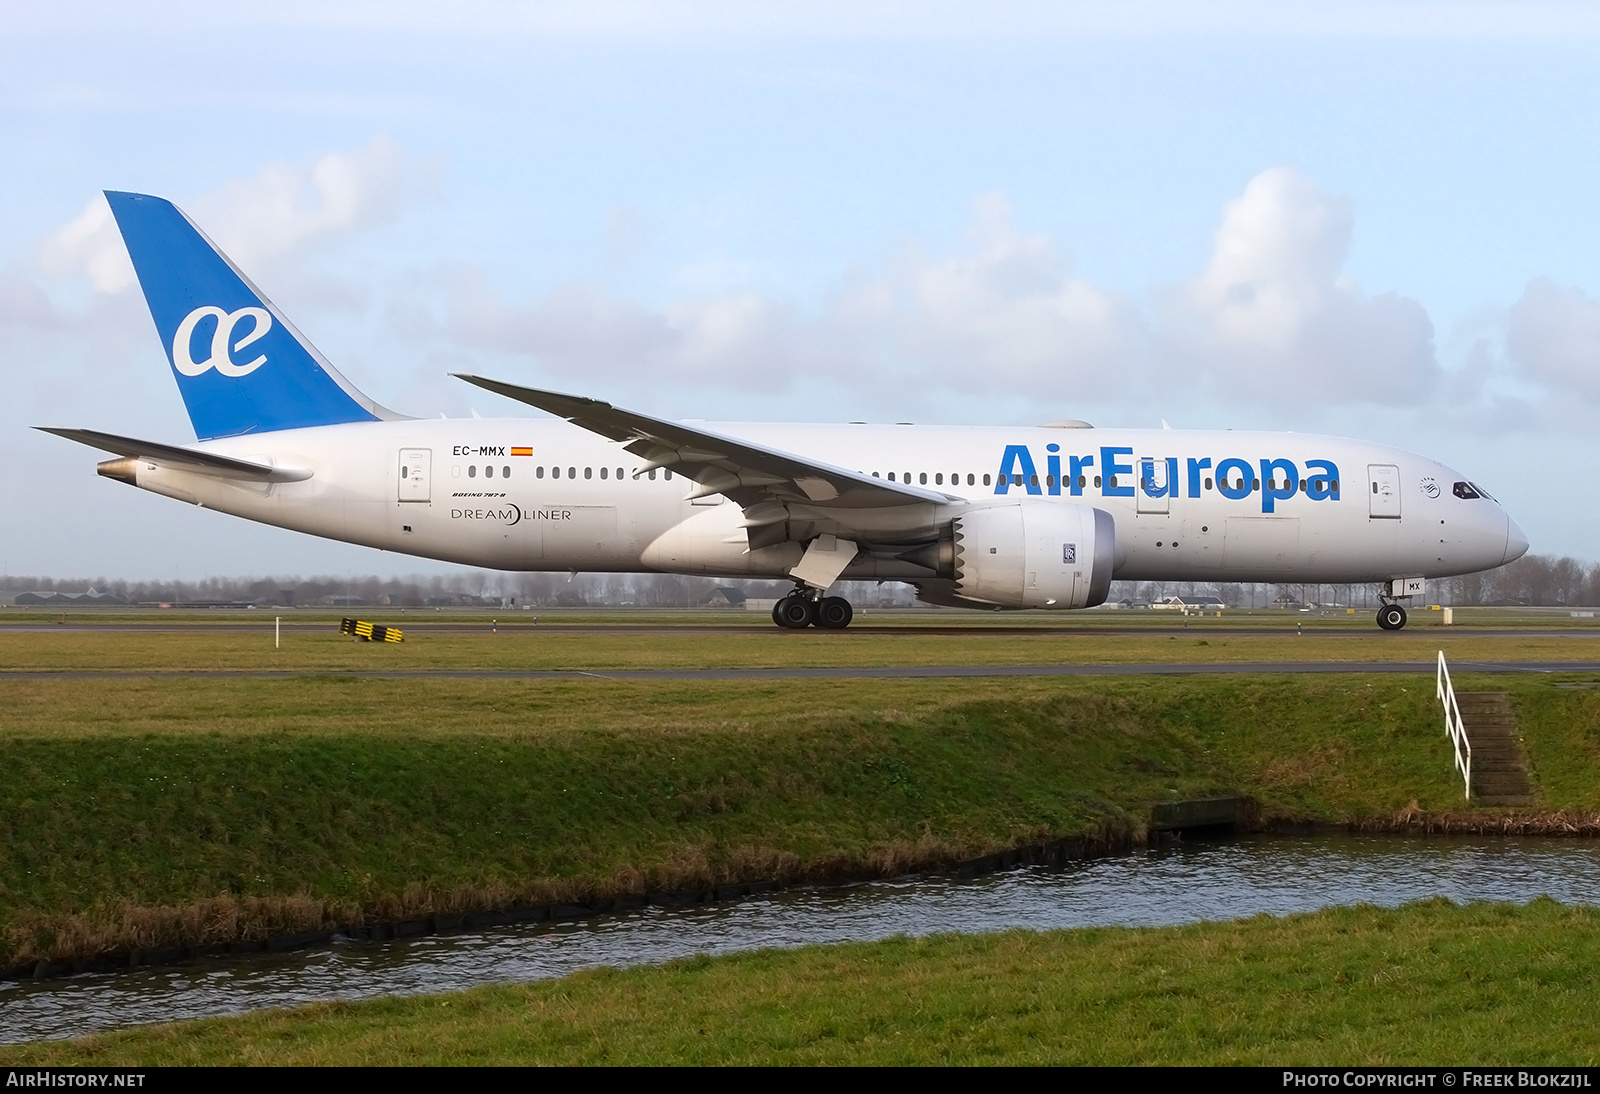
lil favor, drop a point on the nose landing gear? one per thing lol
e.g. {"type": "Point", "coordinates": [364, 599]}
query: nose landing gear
{"type": "Point", "coordinates": [801, 609]}
{"type": "Point", "coordinates": [1391, 617]}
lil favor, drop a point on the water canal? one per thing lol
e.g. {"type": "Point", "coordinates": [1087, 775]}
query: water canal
{"type": "Point", "coordinates": [1226, 879]}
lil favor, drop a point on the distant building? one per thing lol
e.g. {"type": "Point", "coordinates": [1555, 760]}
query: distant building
{"type": "Point", "coordinates": [726, 596]}
{"type": "Point", "coordinates": [93, 598]}
{"type": "Point", "coordinates": [1194, 603]}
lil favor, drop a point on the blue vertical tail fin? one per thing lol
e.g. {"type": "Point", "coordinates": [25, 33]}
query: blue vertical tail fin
{"type": "Point", "coordinates": [240, 365]}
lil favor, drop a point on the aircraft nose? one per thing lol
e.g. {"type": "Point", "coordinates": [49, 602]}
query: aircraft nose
{"type": "Point", "coordinates": [1516, 542]}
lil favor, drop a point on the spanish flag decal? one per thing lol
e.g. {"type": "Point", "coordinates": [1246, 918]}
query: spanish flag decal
{"type": "Point", "coordinates": [522, 451]}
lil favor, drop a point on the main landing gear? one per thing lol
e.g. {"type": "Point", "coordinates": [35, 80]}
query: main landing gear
{"type": "Point", "coordinates": [1391, 617]}
{"type": "Point", "coordinates": [802, 608]}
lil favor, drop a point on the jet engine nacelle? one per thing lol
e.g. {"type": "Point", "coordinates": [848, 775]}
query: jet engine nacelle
{"type": "Point", "coordinates": [1035, 554]}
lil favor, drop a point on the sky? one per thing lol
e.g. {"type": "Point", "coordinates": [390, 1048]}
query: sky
{"type": "Point", "coordinates": [1377, 220]}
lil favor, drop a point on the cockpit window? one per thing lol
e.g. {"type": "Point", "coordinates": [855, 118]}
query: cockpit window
{"type": "Point", "coordinates": [1482, 493]}
{"type": "Point", "coordinates": [1466, 490]}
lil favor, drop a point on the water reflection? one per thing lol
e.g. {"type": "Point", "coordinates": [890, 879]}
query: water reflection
{"type": "Point", "coordinates": [1225, 880]}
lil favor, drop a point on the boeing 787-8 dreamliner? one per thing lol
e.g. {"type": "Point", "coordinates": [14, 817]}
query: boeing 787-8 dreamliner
{"type": "Point", "coordinates": [971, 516]}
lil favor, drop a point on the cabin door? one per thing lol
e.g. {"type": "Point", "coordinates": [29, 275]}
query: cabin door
{"type": "Point", "coordinates": [416, 474]}
{"type": "Point", "coordinates": [1156, 481]}
{"type": "Point", "coordinates": [1383, 491]}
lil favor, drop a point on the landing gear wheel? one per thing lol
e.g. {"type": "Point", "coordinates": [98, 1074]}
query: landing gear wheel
{"type": "Point", "coordinates": [1391, 617]}
{"type": "Point", "coordinates": [795, 612]}
{"type": "Point", "coordinates": [834, 613]}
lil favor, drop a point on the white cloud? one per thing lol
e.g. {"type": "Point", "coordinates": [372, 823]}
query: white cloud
{"type": "Point", "coordinates": [89, 245]}
{"type": "Point", "coordinates": [1553, 339]}
{"type": "Point", "coordinates": [1005, 310]}
{"type": "Point", "coordinates": [280, 210]}
{"type": "Point", "coordinates": [1273, 318]}
{"type": "Point", "coordinates": [739, 339]}
{"type": "Point", "coordinates": [285, 209]}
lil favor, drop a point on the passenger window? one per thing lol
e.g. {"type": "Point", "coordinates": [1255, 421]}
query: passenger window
{"type": "Point", "coordinates": [891, 476]}
{"type": "Point", "coordinates": [505, 472]}
{"type": "Point", "coordinates": [455, 471]}
{"type": "Point", "coordinates": [923, 478]}
{"type": "Point", "coordinates": [588, 472]}
{"type": "Point", "coordinates": [938, 479]}
{"type": "Point", "coordinates": [619, 472]}
{"type": "Point", "coordinates": [472, 472]}
{"type": "Point", "coordinates": [1016, 479]}
{"type": "Point", "coordinates": [605, 472]}
{"type": "Point", "coordinates": [1255, 484]}
{"type": "Point", "coordinates": [652, 474]}
{"type": "Point", "coordinates": [1208, 483]}
{"type": "Point", "coordinates": [970, 481]}
{"type": "Point", "coordinates": [1033, 481]}
{"type": "Point", "coordinates": [1050, 481]}
{"type": "Point", "coordinates": [1097, 482]}
{"type": "Point", "coordinates": [986, 479]}
{"type": "Point", "coordinates": [572, 472]}
{"type": "Point", "coordinates": [538, 472]}
{"type": "Point", "coordinates": [1083, 480]}
{"type": "Point", "coordinates": [403, 472]}
{"type": "Point", "coordinates": [488, 471]}
{"type": "Point", "coordinates": [668, 475]}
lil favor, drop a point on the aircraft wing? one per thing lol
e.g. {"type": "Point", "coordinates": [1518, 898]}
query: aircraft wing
{"type": "Point", "coordinates": [185, 459]}
{"type": "Point", "coordinates": [745, 472]}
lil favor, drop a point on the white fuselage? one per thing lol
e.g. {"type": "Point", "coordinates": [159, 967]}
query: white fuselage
{"type": "Point", "coordinates": [541, 494]}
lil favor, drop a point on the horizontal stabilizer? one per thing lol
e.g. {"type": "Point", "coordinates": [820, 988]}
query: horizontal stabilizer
{"type": "Point", "coordinates": [184, 459]}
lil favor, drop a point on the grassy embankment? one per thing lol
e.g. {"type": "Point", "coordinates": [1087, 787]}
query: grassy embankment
{"type": "Point", "coordinates": [1430, 983]}
{"type": "Point", "coordinates": [150, 813]}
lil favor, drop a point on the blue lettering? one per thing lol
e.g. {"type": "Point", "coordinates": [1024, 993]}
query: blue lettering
{"type": "Point", "coordinates": [1225, 484]}
{"type": "Point", "coordinates": [1272, 494]}
{"type": "Point", "coordinates": [1111, 469]}
{"type": "Point", "coordinates": [1017, 461]}
{"type": "Point", "coordinates": [1195, 467]}
{"type": "Point", "coordinates": [1052, 469]}
{"type": "Point", "coordinates": [1324, 486]}
{"type": "Point", "coordinates": [1076, 465]}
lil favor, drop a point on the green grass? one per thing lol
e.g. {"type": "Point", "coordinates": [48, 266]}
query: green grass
{"type": "Point", "coordinates": [758, 646]}
{"type": "Point", "coordinates": [154, 812]}
{"type": "Point", "coordinates": [1428, 984]}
